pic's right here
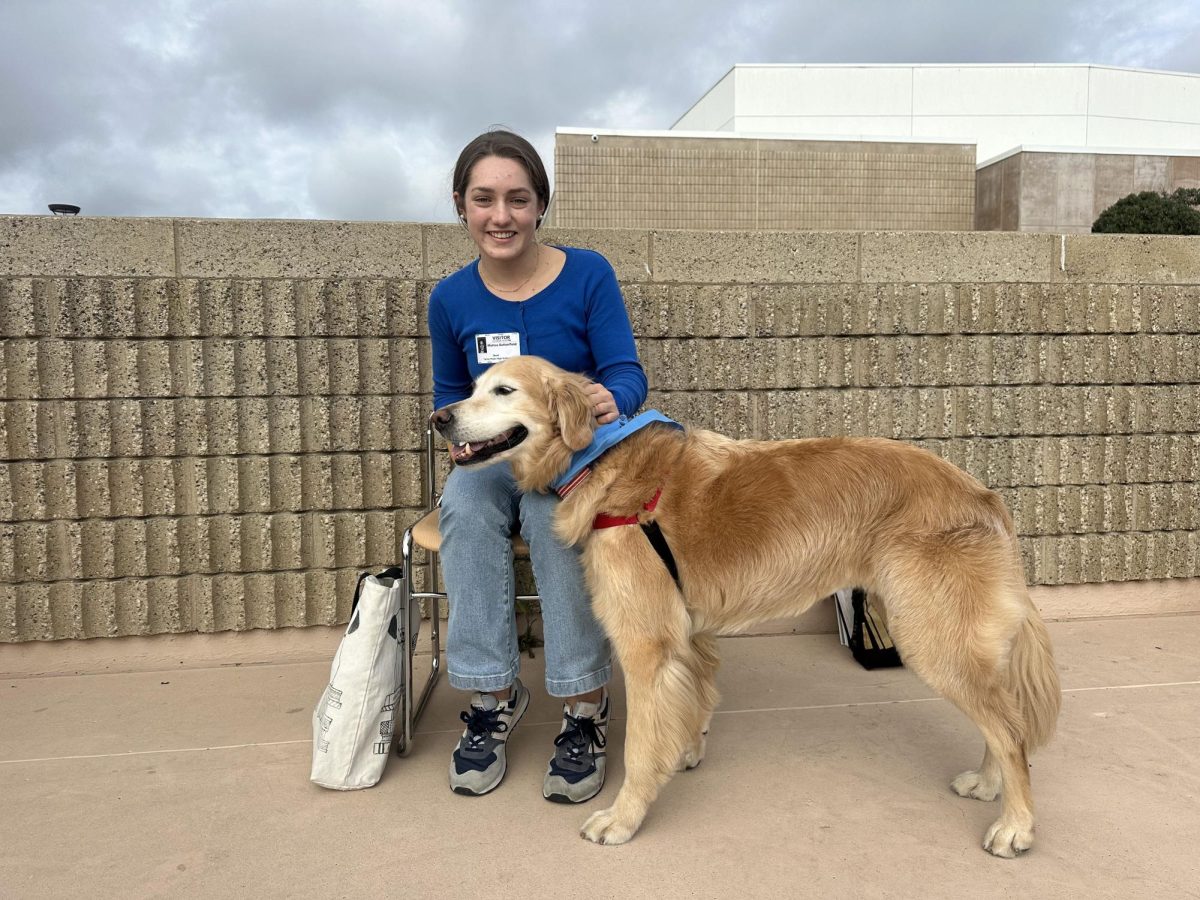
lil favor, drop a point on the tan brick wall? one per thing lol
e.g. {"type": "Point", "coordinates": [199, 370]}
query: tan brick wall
{"type": "Point", "coordinates": [631, 181]}
{"type": "Point", "coordinates": [210, 426]}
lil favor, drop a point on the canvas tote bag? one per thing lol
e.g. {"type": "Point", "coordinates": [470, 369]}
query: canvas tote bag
{"type": "Point", "coordinates": [352, 723]}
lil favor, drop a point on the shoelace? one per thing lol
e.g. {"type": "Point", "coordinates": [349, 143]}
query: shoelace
{"type": "Point", "coordinates": [580, 734]}
{"type": "Point", "coordinates": [482, 722]}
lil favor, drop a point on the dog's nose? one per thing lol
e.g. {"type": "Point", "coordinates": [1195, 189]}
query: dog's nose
{"type": "Point", "coordinates": [442, 418]}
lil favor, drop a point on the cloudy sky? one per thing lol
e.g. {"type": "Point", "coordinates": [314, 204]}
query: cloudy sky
{"type": "Point", "coordinates": [356, 109]}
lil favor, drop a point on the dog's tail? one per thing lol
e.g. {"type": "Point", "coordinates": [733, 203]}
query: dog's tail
{"type": "Point", "coordinates": [1033, 679]}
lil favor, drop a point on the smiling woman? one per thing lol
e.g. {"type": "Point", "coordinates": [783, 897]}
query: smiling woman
{"type": "Point", "coordinates": [521, 297]}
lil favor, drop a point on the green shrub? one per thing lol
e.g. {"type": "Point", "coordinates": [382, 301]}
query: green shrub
{"type": "Point", "coordinates": [1151, 212]}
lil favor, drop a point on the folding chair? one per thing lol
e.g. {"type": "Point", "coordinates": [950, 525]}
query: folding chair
{"type": "Point", "coordinates": [424, 534]}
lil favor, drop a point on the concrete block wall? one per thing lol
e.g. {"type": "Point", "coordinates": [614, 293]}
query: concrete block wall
{"type": "Point", "coordinates": [211, 425]}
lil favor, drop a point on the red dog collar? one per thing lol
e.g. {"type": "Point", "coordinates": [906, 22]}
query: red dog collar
{"type": "Point", "coordinates": [604, 520]}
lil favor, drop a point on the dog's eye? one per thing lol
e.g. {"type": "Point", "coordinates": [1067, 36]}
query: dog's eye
{"type": "Point", "coordinates": [502, 390]}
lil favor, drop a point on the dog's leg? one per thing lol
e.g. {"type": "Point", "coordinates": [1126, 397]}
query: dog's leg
{"type": "Point", "coordinates": [660, 697]}
{"type": "Point", "coordinates": [982, 783]}
{"type": "Point", "coordinates": [704, 662]}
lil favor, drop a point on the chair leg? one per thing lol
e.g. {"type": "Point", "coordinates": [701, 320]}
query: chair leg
{"type": "Point", "coordinates": [411, 706]}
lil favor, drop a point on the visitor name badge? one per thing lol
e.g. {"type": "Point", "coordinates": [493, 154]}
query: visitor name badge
{"type": "Point", "coordinates": [491, 348]}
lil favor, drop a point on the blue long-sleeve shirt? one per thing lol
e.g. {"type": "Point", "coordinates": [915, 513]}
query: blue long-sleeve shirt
{"type": "Point", "coordinates": [578, 322]}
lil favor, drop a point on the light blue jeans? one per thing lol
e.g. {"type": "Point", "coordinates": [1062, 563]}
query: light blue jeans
{"type": "Point", "coordinates": [481, 508]}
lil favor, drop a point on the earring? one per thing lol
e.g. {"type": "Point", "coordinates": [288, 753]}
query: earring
{"type": "Point", "coordinates": [462, 218]}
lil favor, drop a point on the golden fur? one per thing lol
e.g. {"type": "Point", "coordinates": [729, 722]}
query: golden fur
{"type": "Point", "coordinates": [764, 529]}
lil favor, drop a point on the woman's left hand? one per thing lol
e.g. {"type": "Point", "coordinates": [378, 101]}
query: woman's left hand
{"type": "Point", "coordinates": [604, 407]}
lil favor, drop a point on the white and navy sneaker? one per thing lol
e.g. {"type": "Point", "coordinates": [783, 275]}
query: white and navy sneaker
{"type": "Point", "coordinates": [479, 763]}
{"type": "Point", "coordinates": [576, 773]}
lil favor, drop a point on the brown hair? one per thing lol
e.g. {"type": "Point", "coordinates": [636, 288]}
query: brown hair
{"type": "Point", "coordinates": [507, 145]}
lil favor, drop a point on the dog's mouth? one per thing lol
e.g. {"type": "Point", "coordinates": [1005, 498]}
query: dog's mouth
{"type": "Point", "coordinates": [472, 452]}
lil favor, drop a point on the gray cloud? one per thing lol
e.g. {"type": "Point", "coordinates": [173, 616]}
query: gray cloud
{"type": "Point", "coordinates": [303, 108]}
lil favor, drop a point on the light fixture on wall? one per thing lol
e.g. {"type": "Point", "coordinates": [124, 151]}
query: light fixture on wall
{"type": "Point", "coordinates": [64, 209]}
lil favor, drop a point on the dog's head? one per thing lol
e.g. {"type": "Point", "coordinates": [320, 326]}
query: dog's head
{"type": "Point", "coordinates": [525, 410]}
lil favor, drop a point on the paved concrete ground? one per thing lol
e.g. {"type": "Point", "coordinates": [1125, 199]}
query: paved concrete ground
{"type": "Point", "coordinates": [822, 780]}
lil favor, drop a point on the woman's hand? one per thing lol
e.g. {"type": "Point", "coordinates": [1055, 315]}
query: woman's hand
{"type": "Point", "coordinates": [604, 407]}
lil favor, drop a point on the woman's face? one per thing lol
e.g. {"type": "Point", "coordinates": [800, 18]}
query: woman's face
{"type": "Point", "coordinates": [501, 208]}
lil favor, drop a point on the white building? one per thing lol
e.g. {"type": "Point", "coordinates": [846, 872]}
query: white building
{"type": "Point", "coordinates": [995, 107]}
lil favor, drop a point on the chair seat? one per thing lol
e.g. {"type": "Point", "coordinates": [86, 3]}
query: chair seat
{"type": "Point", "coordinates": [425, 534]}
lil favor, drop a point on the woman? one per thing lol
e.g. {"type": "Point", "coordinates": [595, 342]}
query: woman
{"type": "Point", "coordinates": [521, 297]}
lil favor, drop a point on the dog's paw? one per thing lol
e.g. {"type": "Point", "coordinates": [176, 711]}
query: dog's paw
{"type": "Point", "coordinates": [694, 754]}
{"type": "Point", "coordinates": [603, 827]}
{"type": "Point", "coordinates": [1007, 840]}
{"type": "Point", "coordinates": [972, 784]}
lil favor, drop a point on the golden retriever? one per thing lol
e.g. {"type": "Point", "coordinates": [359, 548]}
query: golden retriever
{"type": "Point", "coordinates": [762, 530]}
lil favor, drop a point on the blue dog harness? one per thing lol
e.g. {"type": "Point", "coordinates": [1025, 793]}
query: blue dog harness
{"type": "Point", "coordinates": [607, 437]}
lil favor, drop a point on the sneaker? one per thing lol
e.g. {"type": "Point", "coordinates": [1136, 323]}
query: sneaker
{"type": "Point", "coordinates": [478, 763]}
{"type": "Point", "coordinates": [576, 773]}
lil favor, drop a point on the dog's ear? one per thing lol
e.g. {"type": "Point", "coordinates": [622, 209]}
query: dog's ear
{"type": "Point", "coordinates": [570, 405]}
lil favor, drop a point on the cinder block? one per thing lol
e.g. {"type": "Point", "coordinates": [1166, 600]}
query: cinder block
{"type": "Point", "coordinates": [159, 427]}
{"type": "Point", "coordinates": [319, 534]}
{"type": "Point", "coordinates": [287, 542]}
{"type": "Point", "coordinates": [344, 372]}
{"type": "Point", "coordinates": [130, 549]}
{"type": "Point", "coordinates": [98, 600]}
{"type": "Point", "coordinates": [167, 613]}
{"type": "Point", "coordinates": [223, 487]}
{"type": "Point", "coordinates": [154, 377]}
{"type": "Point", "coordinates": [151, 301]}
{"type": "Point", "coordinates": [649, 307]}
{"type": "Point", "coordinates": [315, 301]}
{"type": "Point", "coordinates": [394, 479]}
{"type": "Point", "coordinates": [958, 256]}
{"type": "Point", "coordinates": [314, 367]}
{"type": "Point", "coordinates": [98, 547]}
{"type": "Point", "coordinates": [283, 424]}
{"type": "Point", "coordinates": [279, 314]}
{"type": "Point", "coordinates": [754, 257]}
{"type": "Point", "coordinates": [33, 369]}
{"type": "Point", "coordinates": [272, 248]}
{"type": "Point", "coordinates": [224, 548]}
{"type": "Point", "coordinates": [87, 245]}
{"type": "Point", "coordinates": [229, 601]}
{"type": "Point", "coordinates": [405, 374]}
{"type": "Point", "coordinates": [194, 546]}
{"type": "Point", "coordinates": [347, 475]}
{"type": "Point", "coordinates": [89, 367]}
{"type": "Point", "coordinates": [250, 367]}
{"type": "Point", "coordinates": [219, 299]}
{"type": "Point", "coordinates": [23, 491]}
{"type": "Point", "coordinates": [20, 314]}
{"type": "Point", "coordinates": [185, 307]}
{"type": "Point", "coordinates": [191, 486]}
{"type": "Point", "coordinates": [257, 551]}
{"type": "Point", "coordinates": [9, 631]}
{"type": "Point", "coordinates": [320, 598]}
{"type": "Point", "coordinates": [290, 599]}
{"type": "Point", "coordinates": [407, 309]}
{"type": "Point", "coordinates": [133, 606]}
{"type": "Point", "coordinates": [107, 369]}
{"type": "Point", "coordinates": [66, 610]}
{"type": "Point", "coordinates": [254, 484]}
{"type": "Point", "coordinates": [254, 425]}
{"type": "Point", "coordinates": [349, 538]}
{"type": "Point", "coordinates": [381, 547]}
{"type": "Point", "coordinates": [156, 486]}
{"type": "Point", "coordinates": [286, 482]}
{"type": "Point", "coordinates": [33, 615]}
{"type": "Point", "coordinates": [317, 481]}
{"type": "Point", "coordinates": [1132, 258]}
{"type": "Point", "coordinates": [281, 367]}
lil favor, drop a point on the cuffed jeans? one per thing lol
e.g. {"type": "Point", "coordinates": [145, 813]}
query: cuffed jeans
{"type": "Point", "coordinates": [481, 508]}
